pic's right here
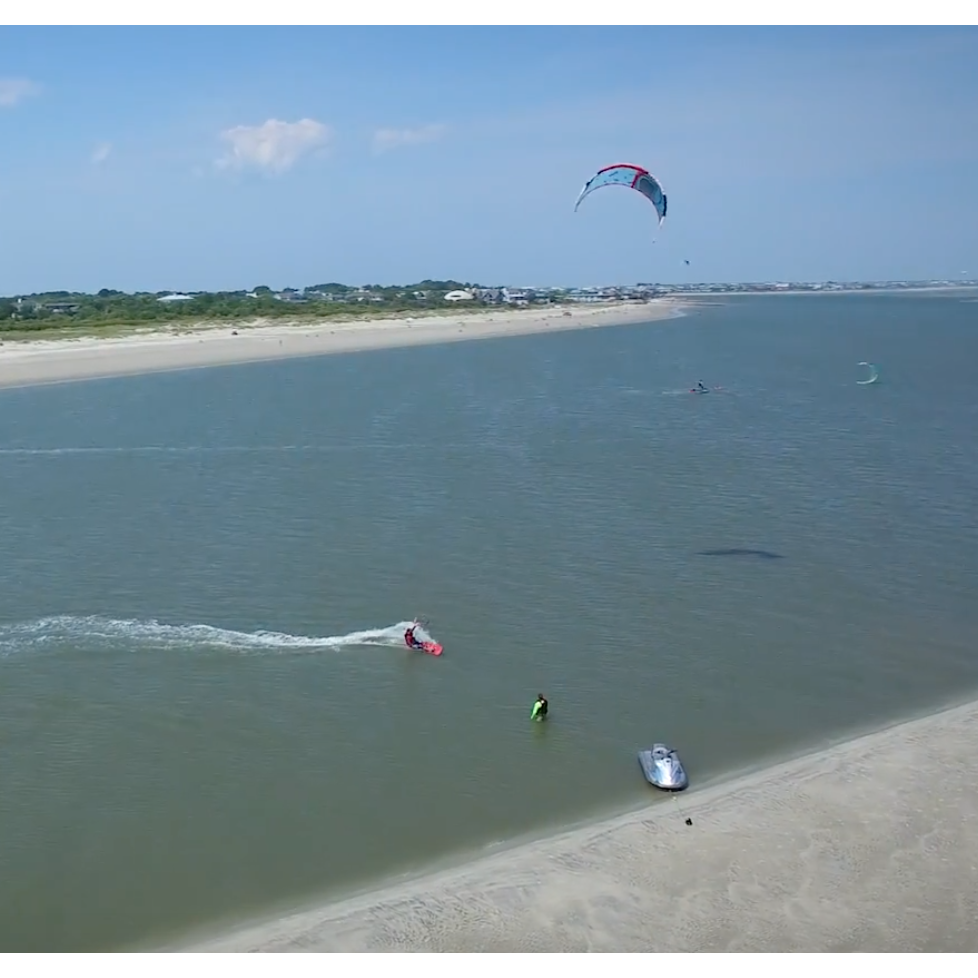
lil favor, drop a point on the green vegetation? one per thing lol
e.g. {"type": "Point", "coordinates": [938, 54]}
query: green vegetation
{"type": "Point", "coordinates": [110, 311]}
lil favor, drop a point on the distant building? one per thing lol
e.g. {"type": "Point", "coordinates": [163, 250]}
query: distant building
{"type": "Point", "coordinates": [492, 296]}
{"type": "Point", "coordinates": [585, 297]}
{"type": "Point", "coordinates": [175, 297]}
{"type": "Point", "coordinates": [458, 295]}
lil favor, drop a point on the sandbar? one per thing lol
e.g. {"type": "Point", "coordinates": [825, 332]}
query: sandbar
{"type": "Point", "coordinates": [42, 361]}
{"type": "Point", "coordinates": [869, 845]}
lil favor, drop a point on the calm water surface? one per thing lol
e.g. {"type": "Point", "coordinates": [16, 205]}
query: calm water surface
{"type": "Point", "coordinates": [205, 708]}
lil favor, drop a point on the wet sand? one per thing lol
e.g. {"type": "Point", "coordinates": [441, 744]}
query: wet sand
{"type": "Point", "coordinates": [871, 845]}
{"type": "Point", "coordinates": [41, 361]}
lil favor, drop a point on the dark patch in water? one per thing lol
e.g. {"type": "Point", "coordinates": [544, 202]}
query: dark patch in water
{"type": "Point", "coordinates": [738, 552]}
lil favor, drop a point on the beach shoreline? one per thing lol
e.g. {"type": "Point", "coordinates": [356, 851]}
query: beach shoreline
{"type": "Point", "coordinates": [830, 851]}
{"type": "Point", "coordinates": [39, 361]}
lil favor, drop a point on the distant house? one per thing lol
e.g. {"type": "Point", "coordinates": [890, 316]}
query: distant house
{"type": "Point", "coordinates": [585, 295]}
{"type": "Point", "coordinates": [175, 297]}
{"type": "Point", "coordinates": [492, 296]}
{"type": "Point", "coordinates": [458, 295]}
{"type": "Point", "coordinates": [65, 308]}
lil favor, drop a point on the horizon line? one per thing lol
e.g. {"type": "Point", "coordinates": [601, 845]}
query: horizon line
{"type": "Point", "coordinates": [442, 283]}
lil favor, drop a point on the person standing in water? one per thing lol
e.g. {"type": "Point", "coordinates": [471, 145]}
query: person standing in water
{"type": "Point", "coordinates": [540, 707]}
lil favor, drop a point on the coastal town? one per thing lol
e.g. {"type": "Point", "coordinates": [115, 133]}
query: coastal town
{"type": "Point", "coordinates": [322, 299]}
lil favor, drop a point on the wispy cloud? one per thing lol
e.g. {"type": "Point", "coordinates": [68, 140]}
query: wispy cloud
{"type": "Point", "coordinates": [388, 139]}
{"type": "Point", "coordinates": [14, 90]}
{"type": "Point", "coordinates": [274, 146]}
{"type": "Point", "coordinates": [101, 153]}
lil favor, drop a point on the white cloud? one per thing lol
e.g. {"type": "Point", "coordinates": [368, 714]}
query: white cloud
{"type": "Point", "coordinates": [14, 90]}
{"type": "Point", "coordinates": [101, 153]}
{"type": "Point", "coordinates": [273, 146]}
{"type": "Point", "coordinates": [387, 139]}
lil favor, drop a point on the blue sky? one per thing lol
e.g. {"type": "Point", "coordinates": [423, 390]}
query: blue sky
{"type": "Point", "coordinates": [224, 158]}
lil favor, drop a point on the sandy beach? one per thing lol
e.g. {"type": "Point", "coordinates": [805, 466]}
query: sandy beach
{"type": "Point", "coordinates": [41, 361]}
{"type": "Point", "coordinates": [871, 845]}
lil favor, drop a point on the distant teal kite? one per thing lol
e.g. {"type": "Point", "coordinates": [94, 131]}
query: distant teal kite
{"type": "Point", "coordinates": [874, 374]}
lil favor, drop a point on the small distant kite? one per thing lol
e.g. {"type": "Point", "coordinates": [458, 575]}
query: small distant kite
{"type": "Point", "coordinates": [630, 176]}
{"type": "Point", "coordinates": [874, 374]}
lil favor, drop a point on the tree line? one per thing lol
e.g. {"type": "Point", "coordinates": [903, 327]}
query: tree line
{"type": "Point", "coordinates": [113, 307]}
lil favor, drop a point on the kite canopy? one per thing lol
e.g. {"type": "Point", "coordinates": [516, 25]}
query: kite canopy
{"type": "Point", "coordinates": [628, 175]}
{"type": "Point", "coordinates": [874, 374]}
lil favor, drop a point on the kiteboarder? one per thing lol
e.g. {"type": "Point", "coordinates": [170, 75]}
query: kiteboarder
{"type": "Point", "coordinates": [409, 640]}
{"type": "Point", "coordinates": [699, 384]}
{"type": "Point", "coordinates": [540, 707]}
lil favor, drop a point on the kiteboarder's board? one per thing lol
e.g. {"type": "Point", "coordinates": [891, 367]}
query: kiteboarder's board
{"type": "Point", "coordinates": [432, 648]}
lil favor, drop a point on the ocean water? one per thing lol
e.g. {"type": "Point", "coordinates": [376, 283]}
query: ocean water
{"type": "Point", "coordinates": [206, 709]}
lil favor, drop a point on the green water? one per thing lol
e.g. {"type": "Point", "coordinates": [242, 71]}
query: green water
{"type": "Point", "coordinates": [186, 737]}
